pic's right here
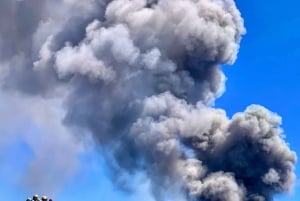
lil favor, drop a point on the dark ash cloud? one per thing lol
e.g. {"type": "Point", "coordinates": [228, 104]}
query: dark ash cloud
{"type": "Point", "coordinates": [140, 77]}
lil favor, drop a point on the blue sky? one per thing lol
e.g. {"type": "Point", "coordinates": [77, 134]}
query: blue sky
{"type": "Point", "coordinates": [267, 69]}
{"type": "Point", "coordinates": [266, 72]}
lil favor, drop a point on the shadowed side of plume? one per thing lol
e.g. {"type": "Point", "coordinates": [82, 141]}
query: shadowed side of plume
{"type": "Point", "coordinates": [140, 77]}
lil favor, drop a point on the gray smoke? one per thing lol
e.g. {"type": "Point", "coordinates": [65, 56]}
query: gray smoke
{"type": "Point", "coordinates": [140, 76]}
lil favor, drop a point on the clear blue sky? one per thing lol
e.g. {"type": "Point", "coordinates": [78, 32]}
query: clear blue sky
{"type": "Point", "coordinates": [266, 72]}
{"type": "Point", "coordinates": [267, 69]}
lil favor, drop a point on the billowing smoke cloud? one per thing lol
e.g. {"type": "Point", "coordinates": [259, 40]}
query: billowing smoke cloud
{"type": "Point", "coordinates": [140, 76]}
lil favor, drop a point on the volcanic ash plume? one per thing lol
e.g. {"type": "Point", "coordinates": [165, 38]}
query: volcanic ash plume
{"type": "Point", "coordinates": [141, 76]}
